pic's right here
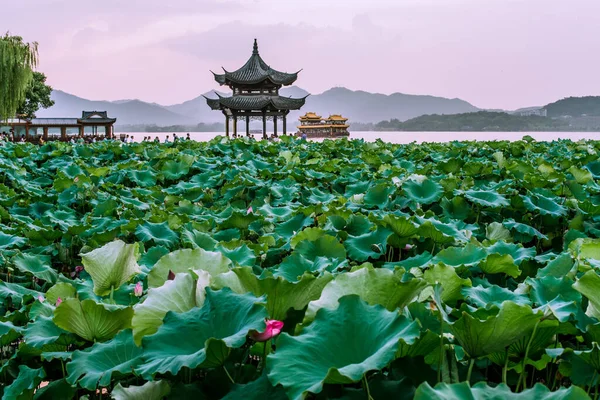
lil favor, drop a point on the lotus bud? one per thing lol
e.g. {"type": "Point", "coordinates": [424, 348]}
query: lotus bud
{"type": "Point", "coordinates": [250, 211]}
{"type": "Point", "coordinates": [76, 179]}
{"type": "Point", "coordinates": [41, 299]}
{"type": "Point", "coordinates": [408, 247]}
{"type": "Point", "coordinates": [58, 301]}
{"type": "Point", "coordinates": [171, 275]}
{"type": "Point", "coordinates": [272, 329]}
{"type": "Point", "coordinates": [138, 290]}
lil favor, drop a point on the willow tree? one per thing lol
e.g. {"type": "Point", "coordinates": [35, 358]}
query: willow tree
{"type": "Point", "coordinates": [17, 61]}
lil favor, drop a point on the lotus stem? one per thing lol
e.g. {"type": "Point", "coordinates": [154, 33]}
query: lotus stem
{"type": "Point", "coordinates": [522, 376]}
{"type": "Point", "coordinates": [592, 382]}
{"type": "Point", "coordinates": [366, 383]}
{"type": "Point", "coordinates": [441, 348]}
{"type": "Point", "coordinates": [471, 363]}
{"type": "Point", "coordinates": [229, 376]}
{"type": "Point", "coordinates": [505, 368]}
{"type": "Point", "coordinates": [112, 291]}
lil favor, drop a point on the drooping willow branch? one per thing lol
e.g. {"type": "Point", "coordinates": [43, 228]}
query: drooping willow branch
{"type": "Point", "coordinates": [17, 62]}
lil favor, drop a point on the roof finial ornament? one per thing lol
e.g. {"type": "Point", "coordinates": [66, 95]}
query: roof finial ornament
{"type": "Point", "coordinates": [255, 49]}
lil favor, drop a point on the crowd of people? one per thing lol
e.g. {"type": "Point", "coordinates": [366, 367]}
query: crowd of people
{"type": "Point", "coordinates": [128, 139]}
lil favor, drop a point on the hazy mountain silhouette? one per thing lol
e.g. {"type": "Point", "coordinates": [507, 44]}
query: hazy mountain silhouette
{"type": "Point", "coordinates": [358, 106]}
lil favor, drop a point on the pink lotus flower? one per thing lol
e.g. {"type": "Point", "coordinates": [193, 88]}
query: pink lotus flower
{"type": "Point", "coordinates": [41, 299]}
{"type": "Point", "coordinates": [250, 211]}
{"type": "Point", "coordinates": [58, 301]}
{"type": "Point", "coordinates": [273, 329]}
{"type": "Point", "coordinates": [76, 179]}
{"type": "Point", "coordinates": [408, 247]}
{"type": "Point", "coordinates": [138, 289]}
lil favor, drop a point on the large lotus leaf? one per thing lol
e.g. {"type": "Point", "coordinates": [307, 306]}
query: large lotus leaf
{"type": "Point", "coordinates": [309, 234]}
{"type": "Point", "coordinates": [276, 213]}
{"type": "Point", "coordinates": [94, 366]}
{"type": "Point", "coordinates": [153, 390]}
{"type": "Point", "coordinates": [63, 290]}
{"type": "Point", "coordinates": [516, 251]}
{"type": "Point", "coordinates": [441, 232]}
{"type": "Point", "coordinates": [544, 205]}
{"type": "Point", "coordinates": [451, 283]}
{"type": "Point", "coordinates": [91, 321]}
{"type": "Point", "coordinates": [144, 177]}
{"type": "Point", "coordinates": [9, 333]}
{"type": "Point", "coordinates": [24, 386]}
{"type": "Point", "coordinates": [16, 292]}
{"type": "Point", "coordinates": [425, 192]}
{"type": "Point", "coordinates": [37, 265]}
{"type": "Point", "coordinates": [43, 331]}
{"type": "Point", "coordinates": [111, 265]}
{"type": "Point", "coordinates": [160, 234]}
{"type": "Point", "coordinates": [281, 294]}
{"type": "Point", "coordinates": [173, 169]}
{"type": "Point", "coordinates": [185, 260]}
{"type": "Point", "coordinates": [483, 337]}
{"type": "Point", "coordinates": [589, 286]}
{"type": "Point", "coordinates": [523, 229]}
{"type": "Point", "coordinates": [418, 261]}
{"type": "Point", "coordinates": [241, 255]}
{"type": "Point", "coordinates": [198, 240]}
{"type": "Point", "coordinates": [320, 355]}
{"type": "Point", "coordinates": [402, 226]}
{"type": "Point", "coordinates": [393, 290]}
{"type": "Point", "coordinates": [585, 248]}
{"type": "Point", "coordinates": [379, 195]}
{"type": "Point", "coordinates": [259, 389]}
{"type": "Point", "coordinates": [324, 246]}
{"type": "Point", "coordinates": [295, 224]}
{"type": "Point", "coordinates": [496, 231]}
{"type": "Point", "coordinates": [492, 296]}
{"type": "Point", "coordinates": [202, 336]}
{"type": "Point", "coordinates": [370, 245]}
{"type": "Point", "coordinates": [9, 241]}
{"type": "Point", "coordinates": [296, 265]}
{"type": "Point", "coordinates": [582, 176]}
{"type": "Point", "coordinates": [481, 391]}
{"type": "Point", "coordinates": [500, 264]}
{"type": "Point", "coordinates": [56, 390]}
{"type": "Point", "coordinates": [485, 198]}
{"type": "Point", "coordinates": [177, 295]}
{"type": "Point", "coordinates": [456, 256]}
{"type": "Point", "coordinates": [560, 266]}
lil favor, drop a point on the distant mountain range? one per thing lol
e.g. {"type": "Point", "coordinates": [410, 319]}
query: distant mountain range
{"type": "Point", "coordinates": [358, 106]}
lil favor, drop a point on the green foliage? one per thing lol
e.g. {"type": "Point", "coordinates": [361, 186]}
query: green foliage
{"type": "Point", "coordinates": [398, 271]}
{"type": "Point", "coordinates": [17, 61]}
{"type": "Point", "coordinates": [37, 96]}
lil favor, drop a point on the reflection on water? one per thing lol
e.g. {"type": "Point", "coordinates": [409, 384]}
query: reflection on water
{"type": "Point", "coordinates": [405, 137]}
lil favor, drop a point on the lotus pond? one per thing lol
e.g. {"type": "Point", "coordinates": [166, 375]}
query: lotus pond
{"type": "Point", "coordinates": [335, 270]}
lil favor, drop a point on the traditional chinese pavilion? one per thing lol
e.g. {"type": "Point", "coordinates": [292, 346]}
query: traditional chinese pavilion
{"type": "Point", "coordinates": [92, 124]}
{"type": "Point", "coordinates": [255, 88]}
{"type": "Point", "coordinates": [315, 126]}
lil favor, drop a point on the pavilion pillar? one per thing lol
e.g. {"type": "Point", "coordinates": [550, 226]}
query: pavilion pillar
{"type": "Point", "coordinates": [264, 117]}
{"type": "Point", "coordinates": [227, 125]}
{"type": "Point", "coordinates": [45, 134]}
{"type": "Point", "coordinates": [63, 133]}
{"type": "Point", "coordinates": [26, 133]}
{"type": "Point", "coordinates": [81, 131]}
{"type": "Point", "coordinates": [235, 126]}
{"type": "Point", "coordinates": [247, 125]}
{"type": "Point", "coordinates": [275, 125]}
{"type": "Point", "coordinates": [284, 124]}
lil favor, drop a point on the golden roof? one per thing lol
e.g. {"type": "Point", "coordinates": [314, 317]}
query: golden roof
{"type": "Point", "coordinates": [336, 117]}
{"type": "Point", "coordinates": [310, 115]}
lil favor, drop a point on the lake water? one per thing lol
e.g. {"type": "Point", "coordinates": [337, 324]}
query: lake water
{"type": "Point", "coordinates": [406, 137]}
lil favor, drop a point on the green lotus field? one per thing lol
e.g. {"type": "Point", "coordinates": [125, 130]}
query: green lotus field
{"type": "Point", "coordinates": [334, 270]}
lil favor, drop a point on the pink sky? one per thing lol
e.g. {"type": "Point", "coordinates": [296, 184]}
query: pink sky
{"type": "Point", "coordinates": [492, 53]}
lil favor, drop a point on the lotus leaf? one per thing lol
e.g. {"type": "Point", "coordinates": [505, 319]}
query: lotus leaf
{"type": "Point", "coordinates": [319, 355]}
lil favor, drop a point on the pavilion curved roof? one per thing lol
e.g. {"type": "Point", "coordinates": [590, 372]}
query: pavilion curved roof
{"type": "Point", "coordinates": [255, 71]}
{"type": "Point", "coordinates": [256, 102]}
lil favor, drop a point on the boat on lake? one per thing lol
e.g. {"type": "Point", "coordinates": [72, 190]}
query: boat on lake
{"type": "Point", "coordinates": [314, 126]}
